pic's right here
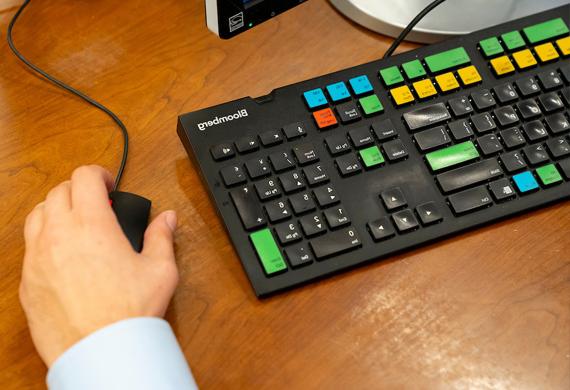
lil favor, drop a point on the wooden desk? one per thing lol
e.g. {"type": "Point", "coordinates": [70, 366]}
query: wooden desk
{"type": "Point", "coordinates": [488, 309]}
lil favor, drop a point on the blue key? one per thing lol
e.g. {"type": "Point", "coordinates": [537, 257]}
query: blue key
{"type": "Point", "coordinates": [315, 98]}
{"type": "Point", "coordinates": [360, 85]}
{"type": "Point", "coordinates": [338, 91]}
{"type": "Point", "coordinates": [525, 182]}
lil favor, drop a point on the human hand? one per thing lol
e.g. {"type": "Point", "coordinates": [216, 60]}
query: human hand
{"type": "Point", "coordinates": [80, 272]}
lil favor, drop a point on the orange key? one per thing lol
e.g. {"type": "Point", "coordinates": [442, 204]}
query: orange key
{"type": "Point", "coordinates": [325, 118]}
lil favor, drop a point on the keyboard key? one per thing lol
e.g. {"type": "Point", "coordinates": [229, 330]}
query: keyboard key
{"type": "Point", "coordinates": [432, 138]}
{"type": "Point", "coordinates": [512, 138]}
{"type": "Point", "coordinates": [391, 76]}
{"type": "Point", "coordinates": [502, 66]}
{"type": "Point", "coordinates": [491, 47]}
{"type": "Point", "coordinates": [469, 75]}
{"type": "Point", "coordinates": [548, 175]}
{"type": "Point", "coordinates": [426, 116]}
{"type": "Point", "coordinates": [336, 217]}
{"type": "Point", "coordinates": [402, 95]}
{"type": "Point", "coordinates": [483, 122]}
{"type": "Point", "coordinates": [469, 175]}
{"type": "Point", "coordinates": [248, 207]}
{"type": "Point", "coordinates": [447, 60]}
{"type": "Point", "coordinates": [393, 198]}
{"type": "Point", "coordinates": [257, 167]}
{"type": "Point", "coordinates": [232, 175]}
{"type": "Point", "coordinates": [558, 147]}
{"type": "Point", "coordinates": [312, 225]}
{"type": "Point", "coordinates": [371, 105]}
{"type": "Point", "coordinates": [564, 46]}
{"type": "Point", "coordinates": [315, 175]}
{"type": "Point", "coordinates": [360, 137]}
{"type": "Point", "coordinates": [565, 167]}
{"type": "Point", "coordinates": [513, 40]}
{"type": "Point", "coordinates": [566, 92]}
{"type": "Point", "coordinates": [271, 137]}
{"type": "Point", "coordinates": [381, 229]}
{"type": "Point", "coordinates": [524, 59]}
{"type": "Point", "coordinates": [535, 154]}
{"type": "Point", "coordinates": [247, 144]}
{"type": "Point", "coordinates": [268, 252]}
{"type": "Point", "coordinates": [461, 129]}
{"type": "Point", "coordinates": [288, 233]}
{"type": "Point", "coordinates": [291, 182]}
{"type": "Point", "coordinates": [315, 98]}
{"type": "Point", "coordinates": [348, 112]}
{"type": "Point", "coordinates": [429, 213]}
{"type": "Point", "coordinates": [565, 72]}
{"type": "Point", "coordinates": [305, 154]}
{"type": "Point", "coordinates": [325, 118]}
{"type": "Point", "coordinates": [549, 80]}
{"type": "Point", "coordinates": [513, 162]}
{"type": "Point", "coordinates": [470, 200]}
{"type": "Point", "coordinates": [528, 109]}
{"type": "Point", "coordinates": [557, 123]}
{"type": "Point", "coordinates": [546, 52]}
{"type": "Point", "coordinates": [222, 151]}
{"type": "Point", "coordinates": [326, 196]}
{"type": "Point", "coordinates": [545, 30]}
{"type": "Point", "coordinates": [278, 210]}
{"type": "Point", "coordinates": [371, 156]}
{"type": "Point", "coordinates": [506, 116]}
{"type": "Point", "coordinates": [299, 255]}
{"type": "Point", "coordinates": [505, 93]}
{"type": "Point", "coordinates": [337, 144]}
{"type": "Point", "coordinates": [447, 82]}
{"type": "Point", "coordinates": [405, 220]}
{"type": "Point", "coordinates": [413, 69]}
{"type": "Point", "coordinates": [460, 106]}
{"type": "Point", "coordinates": [281, 161]}
{"type": "Point", "coordinates": [502, 189]}
{"type": "Point", "coordinates": [348, 165]}
{"type": "Point", "coordinates": [338, 91]}
{"type": "Point", "coordinates": [535, 131]}
{"type": "Point", "coordinates": [384, 129]}
{"type": "Point", "coordinates": [550, 102]}
{"type": "Point", "coordinates": [424, 88]}
{"type": "Point", "coordinates": [452, 155]}
{"type": "Point", "coordinates": [527, 86]}
{"type": "Point", "coordinates": [267, 189]}
{"type": "Point", "coordinates": [395, 150]}
{"type": "Point", "coordinates": [483, 99]}
{"type": "Point", "coordinates": [302, 203]}
{"type": "Point", "coordinates": [294, 130]}
{"type": "Point", "coordinates": [360, 85]}
{"type": "Point", "coordinates": [335, 243]}
{"type": "Point", "coordinates": [525, 182]}
{"type": "Point", "coordinates": [489, 144]}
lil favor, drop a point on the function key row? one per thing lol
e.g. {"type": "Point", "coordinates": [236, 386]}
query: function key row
{"type": "Point", "coordinates": [337, 92]}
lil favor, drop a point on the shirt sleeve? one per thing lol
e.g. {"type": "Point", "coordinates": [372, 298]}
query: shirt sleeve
{"type": "Point", "coordinates": [138, 353]}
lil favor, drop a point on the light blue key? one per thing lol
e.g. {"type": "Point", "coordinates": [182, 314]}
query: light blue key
{"type": "Point", "coordinates": [338, 91]}
{"type": "Point", "coordinates": [315, 98]}
{"type": "Point", "coordinates": [525, 182]}
{"type": "Point", "coordinates": [360, 85]}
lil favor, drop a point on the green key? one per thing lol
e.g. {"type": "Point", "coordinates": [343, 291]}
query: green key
{"type": "Point", "coordinates": [513, 40]}
{"type": "Point", "coordinates": [452, 155]}
{"type": "Point", "coordinates": [391, 75]}
{"type": "Point", "coordinates": [268, 252]}
{"type": "Point", "coordinates": [371, 156]}
{"type": "Point", "coordinates": [548, 174]}
{"type": "Point", "coordinates": [414, 69]}
{"type": "Point", "coordinates": [447, 59]}
{"type": "Point", "coordinates": [546, 30]}
{"type": "Point", "coordinates": [491, 46]}
{"type": "Point", "coordinates": [371, 105]}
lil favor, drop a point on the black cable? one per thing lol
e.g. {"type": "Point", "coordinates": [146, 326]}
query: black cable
{"type": "Point", "coordinates": [73, 91]}
{"type": "Point", "coordinates": [410, 26]}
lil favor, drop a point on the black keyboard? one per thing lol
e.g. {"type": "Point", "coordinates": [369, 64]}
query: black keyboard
{"type": "Point", "coordinates": [356, 165]}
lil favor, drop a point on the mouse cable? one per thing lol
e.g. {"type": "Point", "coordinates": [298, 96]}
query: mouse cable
{"type": "Point", "coordinates": [73, 91]}
{"type": "Point", "coordinates": [410, 26]}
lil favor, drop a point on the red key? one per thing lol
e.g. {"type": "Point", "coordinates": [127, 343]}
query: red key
{"type": "Point", "coordinates": [325, 118]}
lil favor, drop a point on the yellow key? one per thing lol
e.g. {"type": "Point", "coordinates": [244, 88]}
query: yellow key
{"type": "Point", "coordinates": [546, 52]}
{"type": "Point", "coordinates": [402, 95]}
{"type": "Point", "coordinates": [447, 82]}
{"type": "Point", "coordinates": [524, 59]}
{"type": "Point", "coordinates": [564, 46]}
{"type": "Point", "coordinates": [424, 88]}
{"type": "Point", "coordinates": [502, 65]}
{"type": "Point", "coordinates": [469, 75]}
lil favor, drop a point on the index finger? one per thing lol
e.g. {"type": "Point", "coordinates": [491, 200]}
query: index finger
{"type": "Point", "coordinates": [90, 187]}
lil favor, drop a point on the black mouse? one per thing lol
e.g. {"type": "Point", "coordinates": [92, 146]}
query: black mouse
{"type": "Point", "coordinates": [132, 212]}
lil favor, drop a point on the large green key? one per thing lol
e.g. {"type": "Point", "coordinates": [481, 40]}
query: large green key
{"type": "Point", "coordinates": [447, 59]}
{"type": "Point", "coordinates": [546, 30]}
{"type": "Point", "coordinates": [268, 252]}
{"type": "Point", "coordinates": [548, 174]}
{"type": "Point", "coordinates": [452, 155]}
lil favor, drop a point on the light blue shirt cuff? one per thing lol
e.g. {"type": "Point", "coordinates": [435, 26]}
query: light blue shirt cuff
{"type": "Point", "coordinates": [137, 353]}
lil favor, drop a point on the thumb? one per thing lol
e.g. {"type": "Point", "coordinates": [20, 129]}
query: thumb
{"type": "Point", "coordinates": [159, 237]}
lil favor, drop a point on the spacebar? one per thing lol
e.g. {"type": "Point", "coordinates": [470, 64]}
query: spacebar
{"type": "Point", "coordinates": [335, 242]}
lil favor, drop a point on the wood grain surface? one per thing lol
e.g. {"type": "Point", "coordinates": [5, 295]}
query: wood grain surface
{"type": "Point", "coordinates": [486, 309]}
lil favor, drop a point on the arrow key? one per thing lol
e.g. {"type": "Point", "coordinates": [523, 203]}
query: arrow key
{"type": "Point", "coordinates": [393, 198]}
{"type": "Point", "coordinates": [312, 225]}
{"type": "Point", "coordinates": [326, 196]}
{"type": "Point", "coordinates": [278, 210]}
{"type": "Point", "coordinates": [429, 213]}
{"type": "Point", "coordinates": [405, 220]}
{"type": "Point", "coordinates": [381, 229]}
